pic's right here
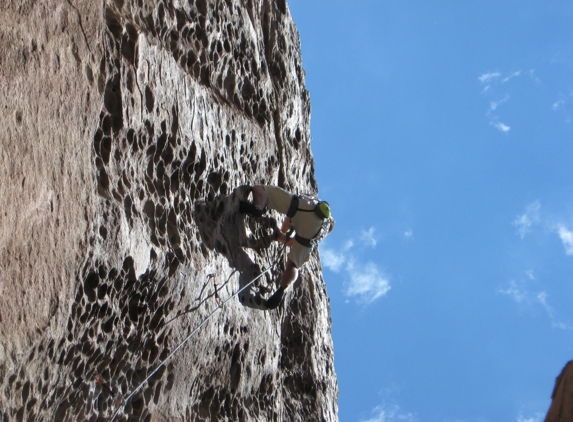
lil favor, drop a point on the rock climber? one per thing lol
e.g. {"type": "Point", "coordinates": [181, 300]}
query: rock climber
{"type": "Point", "coordinates": [309, 217]}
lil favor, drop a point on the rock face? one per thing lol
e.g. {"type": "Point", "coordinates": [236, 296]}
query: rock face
{"type": "Point", "coordinates": [130, 131]}
{"type": "Point", "coordinates": [561, 409]}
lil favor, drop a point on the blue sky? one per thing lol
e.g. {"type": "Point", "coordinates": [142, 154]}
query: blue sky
{"type": "Point", "coordinates": [443, 141]}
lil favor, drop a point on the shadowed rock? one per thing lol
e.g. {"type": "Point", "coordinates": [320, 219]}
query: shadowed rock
{"type": "Point", "coordinates": [561, 409]}
{"type": "Point", "coordinates": [131, 130]}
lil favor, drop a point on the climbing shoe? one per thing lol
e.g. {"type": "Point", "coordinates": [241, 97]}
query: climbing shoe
{"type": "Point", "coordinates": [249, 208]}
{"type": "Point", "coordinates": [276, 299]}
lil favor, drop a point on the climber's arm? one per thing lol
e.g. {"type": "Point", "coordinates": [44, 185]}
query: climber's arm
{"type": "Point", "coordinates": [286, 225]}
{"type": "Point", "coordinates": [281, 234]}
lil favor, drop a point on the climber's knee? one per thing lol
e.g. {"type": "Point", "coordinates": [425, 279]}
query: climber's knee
{"type": "Point", "coordinates": [260, 197]}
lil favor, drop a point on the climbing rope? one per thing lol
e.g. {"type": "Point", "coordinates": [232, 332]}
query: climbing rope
{"type": "Point", "coordinates": [219, 307]}
{"type": "Point", "coordinates": [215, 293]}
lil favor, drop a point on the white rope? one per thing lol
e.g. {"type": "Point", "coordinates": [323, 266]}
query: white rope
{"type": "Point", "coordinates": [187, 339]}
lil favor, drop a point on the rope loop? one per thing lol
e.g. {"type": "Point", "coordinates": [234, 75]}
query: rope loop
{"type": "Point", "coordinates": [180, 345]}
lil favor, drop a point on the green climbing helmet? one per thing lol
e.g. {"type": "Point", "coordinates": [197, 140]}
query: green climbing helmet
{"type": "Point", "coordinates": [323, 210]}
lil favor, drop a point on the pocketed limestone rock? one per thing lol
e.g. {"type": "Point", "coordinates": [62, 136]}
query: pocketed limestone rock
{"type": "Point", "coordinates": [130, 132]}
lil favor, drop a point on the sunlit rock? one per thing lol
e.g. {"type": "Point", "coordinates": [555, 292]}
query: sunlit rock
{"type": "Point", "coordinates": [130, 131]}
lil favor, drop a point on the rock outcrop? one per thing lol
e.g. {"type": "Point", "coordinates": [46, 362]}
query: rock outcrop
{"type": "Point", "coordinates": [561, 409]}
{"type": "Point", "coordinates": [130, 131]}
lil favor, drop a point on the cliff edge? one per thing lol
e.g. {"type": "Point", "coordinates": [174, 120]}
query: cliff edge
{"type": "Point", "coordinates": [130, 131]}
{"type": "Point", "coordinates": [561, 409]}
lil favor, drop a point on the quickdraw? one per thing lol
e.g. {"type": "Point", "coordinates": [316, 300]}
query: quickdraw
{"type": "Point", "coordinates": [99, 380]}
{"type": "Point", "coordinates": [214, 277]}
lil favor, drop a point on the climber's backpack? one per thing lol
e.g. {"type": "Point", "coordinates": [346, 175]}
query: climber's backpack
{"type": "Point", "coordinates": [321, 209]}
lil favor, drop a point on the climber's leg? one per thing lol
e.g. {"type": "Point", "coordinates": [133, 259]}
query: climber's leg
{"type": "Point", "coordinates": [288, 278]}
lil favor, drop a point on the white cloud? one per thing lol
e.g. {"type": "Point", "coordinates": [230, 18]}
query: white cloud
{"type": "Point", "coordinates": [501, 126]}
{"type": "Point", "coordinates": [514, 292]}
{"type": "Point", "coordinates": [558, 104]}
{"type": "Point", "coordinates": [390, 413]}
{"type": "Point", "coordinates": [489, 77]}
{"type": "Point", "coordinates": [566, 236]}
{"type": "Point", "coordinates": [495, 104]}
{"type": "Point", "coordinates": [368, 237]}
{"type": "Point", "coordinates": [527, 298]}
{"type": "Point", "coordinates": [513, 75]}
{"type": "Point", "coordinates": [332, 260]}
{"type": "Point", "coordinates": [542, 298]}
{"type": "Point", "coordinates": [408, 234]}
{"type": "Point", "coordinates": [529, 218]}
{"type": "Point", "coordinates": [367, 283]}
{"type": "Point", "coordinates": [492, 82]}
{"type": "Point", "coordinates": [493, 118]}
{"type": "Point", "coordinates": [538, 417]}
{"type": "Point", "coordinates": [562, 105]}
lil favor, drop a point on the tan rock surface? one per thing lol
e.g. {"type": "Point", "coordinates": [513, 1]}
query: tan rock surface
{"type": "Point", "coordinates": [130, 130]}
{"type": "Point", "coordinates": [561, 409]}
{"type": "Point", "coordinates": [49, 108]}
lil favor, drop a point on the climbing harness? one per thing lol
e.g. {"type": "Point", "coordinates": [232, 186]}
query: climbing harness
{"type": "Point", "coordinates": [218, 308]}
{"type": "Point", "coordinates": [325, 228]}
{"type": "Point", "coordinates": [321, 209]}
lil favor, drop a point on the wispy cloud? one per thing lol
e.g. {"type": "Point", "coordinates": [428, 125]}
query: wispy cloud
{"type": "Point", "coordinates": [513, 291]}
{"type": "Point", "coordinates": [558, 104]}
{"type": "Point", "coordinates": [368, 237]}
{"type": "Point", "coordinates": [532, 216]}
{"type": "Point", "coordinates": [332, 260]}
{"type": "Point", "coordinates": [542, 299]}
{"type": "Point", "coordinates": [497, 77]}
{"type": "Point", "coordinates": [487, 78]}
{"type": "Point", "coordinates": [511, 76]}
{"type": "Point", "coordinates": [390, 413]}
{"type": "Point", "coordinates": [529, 291]}
{"type": "Point", "coordinates": [495, 104]}
{"type": "Point", "coordinates": [566, 236]}
{"type": "Point", "coordinates": [493, 118]}
{"type": "Point", "coordinates": [409, 234]}
{"type": "Point", "coordinates": [365, 283]}
{"type": "Point", "coordinates": [529, 218]}
{"type": "Point", "coordinates": [562, 105]}
{"type": "Point", "coordinates": [528, 297]}
{"type": "Point", "coordinates": [502, 127]}
{"type": "Point", "coordinates": [531, 73]}
{"type": "Point", "coordinates": [493, 83]}
{"type": "Point", "coordinates": [538, 417]}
